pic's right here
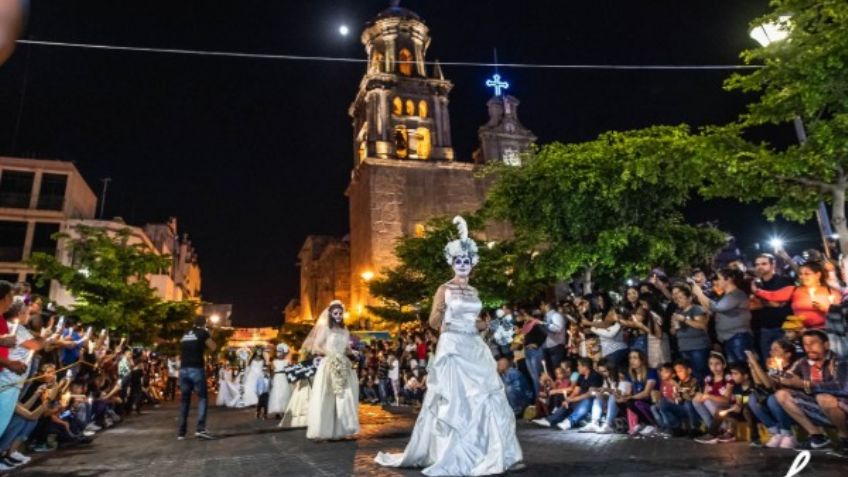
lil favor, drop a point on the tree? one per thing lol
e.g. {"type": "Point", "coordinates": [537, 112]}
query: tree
{"type": "Point", "coordinates": [109, 279]}
{"type": "Point", "coordinates": [802, 77]}
{"type": "Point", "coordinates": [506, 272]}
{"type": "Point", "coordinates": [607, 208]}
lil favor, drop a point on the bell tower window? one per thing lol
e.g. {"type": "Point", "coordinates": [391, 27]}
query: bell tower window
{"type": "Point", "coordinates": [410, 107]}
{"type": "Point", "coordinates": [401, 141]}
{"type": "Point", "coordinates": [377, 62]}
{"type": "Point", "coordinates": [397, 106]}
{"type": "Point", "coordinates": [423, 145]}
{"type": "Point", "coordinates": [405, 59]}
{"type": "Point", "coordinates": [422, 109]}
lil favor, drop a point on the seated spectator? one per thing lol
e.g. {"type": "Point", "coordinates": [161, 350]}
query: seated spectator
{"type": "Point", "coordinates": [765, 405]}
{"type": "Point", "coordinates": [578, 402]}
{"type": "Point", "coordinates": [607, 399]}
{"type": "Point", "coordinates": [554, 391]}
{"type": "Point", "coordinates": [518, 391]}
{"type": "Point", "coordinates": [676, 408]}
{"type": "Point", "coordinates": [815, 392]}
{"type": "Point", "coordinates": [715, 394]}
{"type": "Point", "coordinates": [742, 391]}
{"type": "Point", "coordinates": [413, 388]}
{"type": "Point", "coordinates": [643, 381]}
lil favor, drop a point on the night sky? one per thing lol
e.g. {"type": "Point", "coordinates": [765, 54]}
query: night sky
{"type": "Point", "coordinates": [253, 155]}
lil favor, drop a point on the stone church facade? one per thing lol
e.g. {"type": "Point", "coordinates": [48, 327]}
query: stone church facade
{"type": "Point", "coordinates": [404, 167]}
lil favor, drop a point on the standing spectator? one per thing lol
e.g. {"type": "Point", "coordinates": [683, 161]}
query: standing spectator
{"type": "Point", "coordinates": [811, 300]}
{"type": "Point", "coordinates": [689, 324]}
{"type": "Point", "coordinates": [732, 314]}
{"type": "Point", "coordinates": [611, 334]}
{"type": "Point", "coordinates": [815, 392]}
{"type": "Point", "coordinates": [263, 390]}
{"type": "Point", "coordinates": [193, 376]}
{"type": "Point", "coordinates": [7, 340]}
{"type": "Point", "coordinates": [533, 331]}
{"type": "Point", "coordinates": [173, 365]}
{"type": "Point", "coordinates": [383, 377]}
{"type": "Point", "coordinates": [554, 347]}
{"type": "Point", "coordinates": [769, 315]}
{"type": "Point", "coordinates": [28, 340]}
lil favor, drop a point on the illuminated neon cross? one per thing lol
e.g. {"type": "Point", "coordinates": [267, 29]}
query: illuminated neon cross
{"type": "Point", "coordinates": [496, 83]}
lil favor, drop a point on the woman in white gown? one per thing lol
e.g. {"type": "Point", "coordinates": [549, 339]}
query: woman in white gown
{"type": "Point", "coordinates": [465, 426]}
{"type": "Point", "coordinates": [254, 372]}
{"type": "Point", "coordinates": [281, 389]}
{"type": "Point", "coordinates": [334, 401]}
{"type": "Point", "coordinates": [224, 397]}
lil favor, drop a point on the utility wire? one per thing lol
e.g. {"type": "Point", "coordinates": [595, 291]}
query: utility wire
{"type": "Point", "coordinates": [334, 59]}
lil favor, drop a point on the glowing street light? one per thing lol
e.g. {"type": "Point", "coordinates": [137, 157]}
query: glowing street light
{"type": "Point", "coordinates": [344, 30]}
{"type": "Point", "coordinates": [367, 276]}
{"type": "Point", "coordinates": [215, 319]}
{"type": "Point", "coordinates": [776, 243]}
{"type": "Point", "coordinates": [771, 32]}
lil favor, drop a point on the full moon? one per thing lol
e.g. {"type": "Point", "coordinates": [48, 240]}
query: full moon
{"type": "Point", "coordinates": [344, 30]}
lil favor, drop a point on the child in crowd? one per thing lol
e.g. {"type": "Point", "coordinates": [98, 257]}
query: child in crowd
{"type": "Point", "coordinates": [741, 391]}
{"type": "Point", "coordinates": [716, 390]}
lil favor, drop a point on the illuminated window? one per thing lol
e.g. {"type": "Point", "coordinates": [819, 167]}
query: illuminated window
{"type": "Point", "coordinates": [420, 230]}
{"type": "Point", "coordinates": [401, 141]}
{"type": "Point", "coordinates": [405, 62]}
{"type": "Point", "coordinates": [423, 143]}
{"type": "Point", "coordinates": [422, 109]}
{"type": "Point", "coordinates": [410, 107]}
{"type": "Point", "coordinates": [363, 151]}
{"type": "Point", "coordinates": [397, 106]}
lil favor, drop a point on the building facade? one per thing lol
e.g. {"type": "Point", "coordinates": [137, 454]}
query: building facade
{"type": "Point", "coordinates": [324, 276]}
{"type": "Point", "coordinates": [405, 172]}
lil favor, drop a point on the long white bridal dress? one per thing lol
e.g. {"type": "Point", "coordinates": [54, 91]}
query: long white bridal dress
{"type": "Point", "coordinates": [334, 400]}
{"type": "Point", "coordinates": [281, 388]}
{"type": "Point", "coordinates": [465, 426]}
{"type": "Point", "coordinates": [227, 393]}
{"type": "Point", "coordinates": [253, 373]}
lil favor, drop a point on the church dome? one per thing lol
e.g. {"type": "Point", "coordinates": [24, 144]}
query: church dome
{"type": "Point", "coordinates": [396, 11]}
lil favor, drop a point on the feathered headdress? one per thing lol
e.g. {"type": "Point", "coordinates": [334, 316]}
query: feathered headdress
{"type": "Point", "coordinates": [463, 245]}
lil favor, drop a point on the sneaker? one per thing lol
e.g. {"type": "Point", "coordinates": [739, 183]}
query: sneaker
{"type": "Point", "coordinates": [9, 462]}
{"type": "Point", "coordinates": [23, 458]}
{"type": "Point", "coordinates": [648, 431]}
{"type": "Point", "coordinates": [726, 437]}
{"type": "Point", "coordinates": [707, 439]}
{"type": "Point", "coordinates": [591, 427]}
{"type": "Point", "coordinates": [755, 444]}
{"type": "Point", "coordinates": [816, 442]}
{"type": "Point", "coordinates": [606, 429]}
{"type": "Point", "coordinates": [788, 442]}
{"type": "Point", "coordinates": [636, 430]}
{"type": "Point", "coordinates": [204, 434]}
{"type": "Point", "coordinates": [108, 422]}
{"type": "Point", "coordinates": [41, 448]}
{"type": "Point", "coordinates": [93, 427]}
{"type": "Point", "coordinates": [180, 438]}
{"type": "Point", "coordinates": [542, 422]}
{"type": "Point", "coordinates": [565, 425]}
{"type": "Point", "coordinates": [88, 433]}
{"type": "Point", "coordinates": [6, 468]}
{"type": "Point", "coordinates": [775, 441]}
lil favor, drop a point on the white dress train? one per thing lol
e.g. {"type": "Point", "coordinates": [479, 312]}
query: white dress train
{"type": "Point", "coordinates": [334, 401]}
{"type": "Point", "coordinates": [281, 388]}
{"type": "Point", "coordinates": [465, 426]}
{"type": "Point", "coordinates": [297, 411]}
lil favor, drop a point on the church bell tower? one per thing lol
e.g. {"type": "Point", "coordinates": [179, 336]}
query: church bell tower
{"type": "Point", "coordinates": [401, 110]}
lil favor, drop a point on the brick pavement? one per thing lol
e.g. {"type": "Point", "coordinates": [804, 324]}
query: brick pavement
{"type": "Point", "coordinates": [147, 446]}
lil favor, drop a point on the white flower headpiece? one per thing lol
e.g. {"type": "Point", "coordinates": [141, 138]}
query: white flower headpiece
{"type": "Point", "coordinates": [283, 348]}
{"type": "Point", "coordinates": [463, 245]}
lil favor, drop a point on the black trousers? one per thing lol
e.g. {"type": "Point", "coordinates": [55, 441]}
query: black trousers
{"type": "Point", "coordinates": [262, 405]}
{"type": "Point", "coordinates": [553, 357]}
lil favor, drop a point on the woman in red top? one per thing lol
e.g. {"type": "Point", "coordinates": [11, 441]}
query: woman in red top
{"type": "Point", "coordinates": [811, 300]}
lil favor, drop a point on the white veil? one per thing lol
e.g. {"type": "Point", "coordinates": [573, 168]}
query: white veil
{"type": "Point", "coordinates": [312, 343]}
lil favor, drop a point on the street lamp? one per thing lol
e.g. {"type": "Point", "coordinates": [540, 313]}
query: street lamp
{"type": "Point", "coordinates": [367, 276]}
{"type": "Point", "coordinates": [215, 319]}
{"type": "Point", "coordinates": [771, 32]}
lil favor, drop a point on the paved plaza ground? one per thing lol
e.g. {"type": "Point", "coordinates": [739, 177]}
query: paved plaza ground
{"type": "Point", "coordinates": [147, 446]}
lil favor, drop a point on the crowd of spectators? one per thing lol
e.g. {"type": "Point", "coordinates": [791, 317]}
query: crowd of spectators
{"type": "Point", "coordinates": [746, 352]}
{"type": "Point", "coordinates": [394, 372]}
{"type": "Point", "coordinates": [61, 383]}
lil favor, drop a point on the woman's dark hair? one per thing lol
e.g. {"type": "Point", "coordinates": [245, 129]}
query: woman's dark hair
{"type": "Point", "coordinates": [786, 345]}
{"type": "Point", "coordinates": [5, 288]}
{"type": "Point", "coordinates": [735, 276]}
{"type": "Point", "coordinates": [816, 266]}
{"type": "Point", "coordinates": [595, 307]}
{"type": "Point", "coordinates": [683, 289]}
{"type": "Point", "coordinates": [740, 367]}
{"type": "Point", "coordinates": [627, 292]}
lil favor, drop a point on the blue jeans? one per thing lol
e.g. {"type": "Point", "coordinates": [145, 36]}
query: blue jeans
{"type": "Point", "coordinates": [192, 380]}
{"type": "Point", "coordinates": [735, 347]}
{"type": "Point", "coordinates": [598, 410]}
{"type": "Point", "coordinates": [383, 387]}
{"type": "Point", "coordinates": [767, 337]}
{"type": "Point", "coordinates": [582, 409]}
{"type": "Point", "coordinates": [18, 429]}
{"type": "Point", "coordinates": [698, 359]}
{"type": "Point", "coordinates": [675, 415]}
{"type": "Point", "coordinates": [772, 415]}
{"type": "Point", "coordinates": [533, 359]}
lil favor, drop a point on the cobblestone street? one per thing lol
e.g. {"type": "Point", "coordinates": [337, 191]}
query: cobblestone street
{"type": "Point", "coordinates": [147, 446]}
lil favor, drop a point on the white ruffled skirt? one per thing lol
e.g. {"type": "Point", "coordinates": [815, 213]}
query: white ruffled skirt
{"type": "Point", "coordinates": [465, 426]}
{"type": "Point", "coordinates": [334, 402]}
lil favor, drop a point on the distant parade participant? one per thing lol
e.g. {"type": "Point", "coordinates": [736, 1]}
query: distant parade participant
{"type": "Point", "coordinates": [281, 389]}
